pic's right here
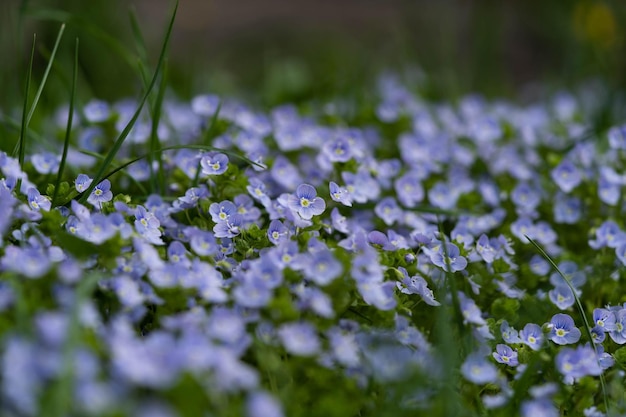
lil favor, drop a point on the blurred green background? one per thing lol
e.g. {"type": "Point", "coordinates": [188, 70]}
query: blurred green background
{"type": "Point", "coordinates": [273, 51]}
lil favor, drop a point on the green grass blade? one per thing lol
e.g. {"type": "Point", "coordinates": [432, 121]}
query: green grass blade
{"type": "Point", "coordinates": [158, 180]}
{"type": "Point", "coordinates": [139, 40]}
{"type": "Point", "coordinates": [581, 310]}
{"type": "Point", "coordinates": [68, 130]}
{"type": "Point", "coordinates": [120, 140]}
{"type": "Point", "coordinates": [22, 141]}
{"type": "Point", "coordinates": [207, 133]}
{"type": "Point", "coordinates": [45, 74]}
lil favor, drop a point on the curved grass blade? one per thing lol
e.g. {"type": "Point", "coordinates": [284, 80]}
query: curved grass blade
{"type": "Point", "coordinates": [581, 310]}
{"type": "Point", "coordinates": [46, 73]}
{"type": "Point", "coordinates": [24, 126]}
{"type": "Point", "coordinates": [158, 181]}
{"type": "Point", "coordinates": [120, 140]}
{"type": "Point", "coordinates": [68, 130]}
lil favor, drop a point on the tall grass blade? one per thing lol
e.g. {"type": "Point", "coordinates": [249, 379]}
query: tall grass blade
{"type": "Point", "coordinates": [158, 181]}
{"type": "Point", "coordinates": [45, 74]}
{"type": "Point", "coordinates": [120, 140]}
{"type": "Point", "coordinates": [581, 310]}
{"type": "Point", "coordinates": [68, 130]}
{"type": "Point", "coordinates": [22, 141]}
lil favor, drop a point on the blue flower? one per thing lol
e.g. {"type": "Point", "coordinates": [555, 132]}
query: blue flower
{"type": "Point", "coordinates": [608, 192]}
{"type": "Point", "coordinates": [388, 210]}
{"type": "Point", "coordinates": [299, 338]}
{"type": "Point", "coordinates": [604, 319]}
{"type": "Point", "coordinates": [509, 334]}
{"type": "Point", "coordinates": [525, 198]}
{"type": "Point", "coordinates": [567, 209]}
{"type": "Point", "coordinates": [277, 232]}
{"type": "Point", "coordinates": [285, 173]}
{"type": "Point", "coordinates": [97, 111]}
{"type": "Point", "coordinates": [532, 336]}
{"type": "Point", "coordinates": [321, 267]}
{"type": "Point", "coordinates": [305, 202]}
{"type": "Point", "coordinates": [443, 196]}
{"type": "Point", "coordinates": [340, 194]}
{"type": "Point", "coordinates": [478, 370]}
{"type": "Point", "coordinates": [617, 137]}
{"type": "Point", "coordinates": [262, 404]}
{"type": "Point", "coordinates": [221, 212]}
{"type": "Point", "coordinates": [409, 189]}
{"type": "Point", "coordinates": [578, 362]}
{"type": "Point", "coordinates": [504, 354]}
{"type": "Point", "coordinates": [229, 228]}
{"type": "Point", "coordinates": [46, 162]}
{"type": "Point", "coordinates": [451, 256]}
{"type": "Point", "coordinates": [563, 330]}
{"type": "Point", "coordinates": [338, 149]}
{"type": "Point", "coordinates": [566, 176]}
{"type": "Point", "coordinates": [541, 407]}
{"type": "Point", "coordinates": [619, 334]}
{"type": "Point", "coordinates": [82, 182]}
{"type": "Point", "coordinates": [38, 202]}
{"type": "Point", "coordinates": [205, 105]}
{"type": "Point", "coordinates": [28, 261]}
{"type": "Point", "coordinates": [469, 309]}
{"type": "Point", "coordinates": [562, 296]}
{"type": "Point", "coordinates": [214, 163]}
{"type": "Point", "coordinates": [100, 194]}
{"type": "Point", "coordinates": [609, 235]}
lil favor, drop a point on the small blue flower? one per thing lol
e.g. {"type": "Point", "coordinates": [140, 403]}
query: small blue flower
{"type": "Point", "coordinates": [36, 201]}
{"type": "Point", "coordinates": [451, 256]}
{"type": "Point", "coordinates": [567, 209]}
{"type": "Point", "coordinates": [82, 182]}
{"type": "Point", "coordinates": [321, 267]}
{"type": "Point", "coordinates": [525, 198]}
{"type": "Point", "coordinates": [409, 189]}
{"type": "Point", "coordinates": [509, 334]}
{"type": "Point", "coordinates": [277, 232]}
{"type": "Point", "coordinates": [262, 404]}
{"type": "Point", "coordinates": [340, 194]}
{"type": "Point", "coordinates": [532, 336]}
{"type": "Point", "coordinates": [604, 319]}
{"type": "Point", "coordinates": [504, 354]}
{"type": "Point", "coordinates": [478, 370]}
{"type": "Point", "coordinates": [299, 338]}
{"type": "Point", "coordinates": [221, 212]}
{"type": "Point", "coordinates": [617, 137]}
{"type": "Point", "coordinates": [566, 176]}
{"type": "Point", "coordinates": [46, 162]}
{"type": "Point", "coordinates": [563, 330]}
{"type": "Point", "coordinates": [229, 228]}
{"type": "Point", "coordinates": [214, 163]}
{"type": "Point", "coordinates": [562, 296]}
{"type": "Point", "coordinates": [100, 194]}
{"type": "Point", "coordinates": [539, 407]}
{"type": "Point", "coordinates": [578, 362]}
{"type": "Point", "coordinates": [619, 334]}
{"type": "Point", "coordinates": [97, 111]}
{"type": "Point", "coordinates": [305, 202]}
{"type": "Point", "coordinates": [388, 210]}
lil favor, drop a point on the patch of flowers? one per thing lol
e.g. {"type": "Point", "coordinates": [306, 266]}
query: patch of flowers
{"type": "Point", "coordinates": [352, 258]}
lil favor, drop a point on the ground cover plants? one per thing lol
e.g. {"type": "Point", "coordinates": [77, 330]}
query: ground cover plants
{"type": "Point", "coordinates": [161, 257]}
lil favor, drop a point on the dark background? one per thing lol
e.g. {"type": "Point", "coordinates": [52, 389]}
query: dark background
{"type": "Point", "coordinates": [274, 51]}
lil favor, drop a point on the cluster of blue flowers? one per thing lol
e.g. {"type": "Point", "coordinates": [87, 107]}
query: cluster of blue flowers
{"type": "Point", "coordinates": [301, 249]}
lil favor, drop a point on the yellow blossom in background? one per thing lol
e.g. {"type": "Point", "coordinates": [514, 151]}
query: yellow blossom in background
{"type": "Point", "coordinates": [595, 22]}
